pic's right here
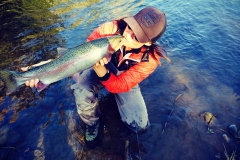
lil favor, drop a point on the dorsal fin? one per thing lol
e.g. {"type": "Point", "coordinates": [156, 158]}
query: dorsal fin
{"type": "Point", "coordinates": [61, 51]}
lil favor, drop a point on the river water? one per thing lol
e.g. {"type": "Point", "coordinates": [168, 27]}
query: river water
{"type": "Point", "coordinates": [202, 41]}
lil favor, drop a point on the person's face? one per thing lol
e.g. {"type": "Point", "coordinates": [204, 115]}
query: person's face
{"type": "Point", "coordinates": [130, 39]}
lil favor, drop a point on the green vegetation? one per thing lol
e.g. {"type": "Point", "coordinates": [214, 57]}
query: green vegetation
{"type": "Point", "coordinates": [29, 31]}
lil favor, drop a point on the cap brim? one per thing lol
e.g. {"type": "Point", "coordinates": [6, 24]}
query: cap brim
{"type": "Point", "coordinates": [137, 29]}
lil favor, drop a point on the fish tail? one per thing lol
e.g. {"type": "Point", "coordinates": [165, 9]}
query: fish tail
{"type": "Point", "coordinates": [9, 78]}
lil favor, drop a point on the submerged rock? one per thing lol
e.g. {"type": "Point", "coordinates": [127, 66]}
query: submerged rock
{"type": "Point", "coordinates": [208, 117]}
{"type": "Point", "coordinates": [233, 130]}
{"type": "Point", "coordinates": [225, 137]}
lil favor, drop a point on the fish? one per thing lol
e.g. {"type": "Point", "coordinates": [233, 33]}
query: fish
{"type": "Point", "coordinates": [73, 61]}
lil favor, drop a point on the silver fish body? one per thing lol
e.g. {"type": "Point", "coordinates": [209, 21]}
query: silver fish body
{"type": "Point", "coordinates": [73, 61]}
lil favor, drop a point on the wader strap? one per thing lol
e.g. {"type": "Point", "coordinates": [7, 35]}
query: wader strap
{"type": "Point", "coordinates": [113, 69]}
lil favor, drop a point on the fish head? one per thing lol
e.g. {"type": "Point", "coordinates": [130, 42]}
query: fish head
{"type": "Point", "coordinates": [115, 43]}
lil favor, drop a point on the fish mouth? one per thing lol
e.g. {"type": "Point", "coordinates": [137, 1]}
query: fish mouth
{"type": "Point", "coordinates": [115, 42]}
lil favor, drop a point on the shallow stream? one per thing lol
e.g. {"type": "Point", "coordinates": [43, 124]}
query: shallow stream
{"type": "Point", "coordinates": [202, 41]}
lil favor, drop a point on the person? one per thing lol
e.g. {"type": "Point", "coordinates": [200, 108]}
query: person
{"type": "Point", "coordinates": [122, 72]}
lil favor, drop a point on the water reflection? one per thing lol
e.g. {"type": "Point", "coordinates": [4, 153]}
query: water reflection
{"type": "Point", "coordinates": [204, 69]}
{"type": "Point", "coordinates": [29, 32]}
{"type": "Point", "coordinates": [29, 35]}
{"type": "Point", "coordinates": [46, 124]}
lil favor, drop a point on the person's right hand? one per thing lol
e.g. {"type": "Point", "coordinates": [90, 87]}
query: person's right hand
{"type": "Point", "coordinates": [33, 82]}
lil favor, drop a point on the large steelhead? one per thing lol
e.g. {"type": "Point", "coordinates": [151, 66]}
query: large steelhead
{"type": "Point", "coordinates": [73, 61]}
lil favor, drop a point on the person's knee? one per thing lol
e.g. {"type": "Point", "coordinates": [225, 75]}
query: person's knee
{"type": "Point", "coordinates": [85, 97]}
{"type": "Point", "coordinates": [138, 128]}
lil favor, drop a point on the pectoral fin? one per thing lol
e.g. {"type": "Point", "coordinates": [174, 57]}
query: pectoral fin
{"type": "Point", "coordinates": [41, 86]}
{"type": "Point", "coordinates": [76, 77]}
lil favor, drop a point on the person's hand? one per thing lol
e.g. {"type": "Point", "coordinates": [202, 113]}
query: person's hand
{"type": "Point", "coordinates": [33, 82]}
{"type": "Point", "coordinates": [99, 67]}
{"type": "Point", "coordinates": [102, 62]}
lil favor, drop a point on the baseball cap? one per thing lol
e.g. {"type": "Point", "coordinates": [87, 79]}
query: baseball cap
{"type": "Point", "coordinates": [148, 24]}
